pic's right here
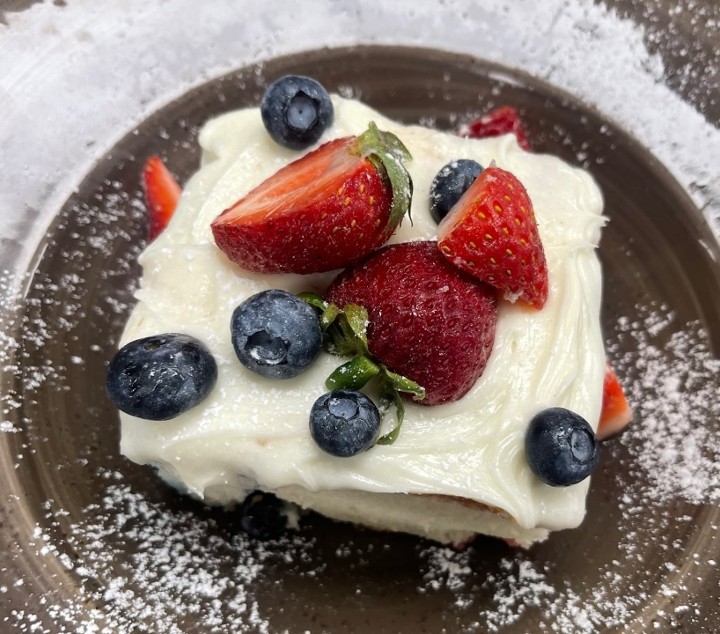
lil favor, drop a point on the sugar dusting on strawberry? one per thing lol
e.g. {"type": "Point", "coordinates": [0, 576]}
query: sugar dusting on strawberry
{"type": "Point", "coordinates": [502, 120]}
{"type": "Point", "coordinates": [427, 320]}
{"type": "Point", "coordinates": [324, 211]}
{"type": "Point", "coordinates": [616, 413]}
{"type": "Point", "coordinates": [162, 194]}
{"type": "Point", "coordinates": [491, 233]}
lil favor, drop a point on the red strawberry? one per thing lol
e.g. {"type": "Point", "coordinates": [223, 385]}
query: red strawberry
{"type": "Point", "coordinates": [162, 193]}
{"type": "Point", "coordinates": [491, 233]}
{"type": "Point", "coordinates": [324, 211]}
{"type": "Point", "coordinates": [616, 413]}
{"type": "Point", "coordinates": [428, 321]}
{"type": "Point", "coordinates": [502, 120]}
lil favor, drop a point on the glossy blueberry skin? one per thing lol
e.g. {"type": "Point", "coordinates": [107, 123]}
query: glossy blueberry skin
{"type": "Point", "coordinates": [276, 334]}
{"type": "Point", "coordinates": [296, 110]}
{"type": "Point", "coordinates": [160, 377]}
{"type": "Point", "coordinates": [449, 184]}
{"type": "Point", "coordinates": [561, 447]}
{"type": "Point", "coordinates": [262, 515]}
{"type": "Point", "coordinates": [344, 422]}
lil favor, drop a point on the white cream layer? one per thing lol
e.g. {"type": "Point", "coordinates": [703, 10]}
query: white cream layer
{"type": "Point", "coordinates": [253, 431]}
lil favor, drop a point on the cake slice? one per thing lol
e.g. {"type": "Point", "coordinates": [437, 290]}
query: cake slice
{"type": "Point", "coordinates": [457, 469]}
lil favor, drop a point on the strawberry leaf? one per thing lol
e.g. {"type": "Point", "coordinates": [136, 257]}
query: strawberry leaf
{"type": "Point", "coordinates": [345, 335]}
{"type": "Point", "coordinates": [388, 398]}
{"type": "Point", "coordinates": [352, 375]}
{"type": "Point", "coordinates": [341, 340]}
{"type": "Point", "coordinates": [329, 312]}
{"type": "Point", "coordinates": [357, 319]}
{"type": "Point", "coordinates": [388, 141]}
{"type": "Point", "coordinates": [388, 154]}
{"type": "Point", "coordinates": [329, 315]}
{"type": "Point", "coordinates": [315, 300]}
{"type": "Point", "coordinates": [403, 384]}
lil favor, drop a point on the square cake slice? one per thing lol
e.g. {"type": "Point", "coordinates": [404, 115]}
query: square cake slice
{"type": "Point", "coordinates": [456, 469]}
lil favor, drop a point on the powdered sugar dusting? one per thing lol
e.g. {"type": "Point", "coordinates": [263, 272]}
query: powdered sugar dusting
{"type": "Point", "coordinates": [516, 587]}
{"type": "Point", "coordinates": [143, 562]}
{"type": "Point", "coordinates": [674, 383]}
{"type": "Point", "coordinates": [10, 299]}
{"type": "Point", "coordinates": [447, 567]}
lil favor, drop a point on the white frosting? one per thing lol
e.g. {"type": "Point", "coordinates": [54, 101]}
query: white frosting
{"type": "Point", "coordinates": [253, 431]}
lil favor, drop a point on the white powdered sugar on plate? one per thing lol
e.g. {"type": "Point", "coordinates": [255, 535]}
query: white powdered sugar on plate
{"type": "Point", "coordinates": [132, 59]}
{"type": "Point", "coordinates": [10, 297]}
{"type": "Point", "coordinates": [135, 560]}
{"type": "Point", "coordinates": [159, 570]}
{"type": "Point", "coordinates": [673, 381]}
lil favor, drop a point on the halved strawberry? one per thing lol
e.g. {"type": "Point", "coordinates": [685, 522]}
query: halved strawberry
{"type": "Point", "coordinates": [616, 413]}
{"type": "Point", "coordinates": [502, 120]}
{"type": "Point", "coordinates": [491, 233]}
{"type": "Point", "coordinates": [162, 193]}
{"type": "Point", "coordinates": [324, 211]}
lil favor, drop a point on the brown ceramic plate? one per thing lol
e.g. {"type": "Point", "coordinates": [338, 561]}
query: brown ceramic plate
{"type": "Point", "coordinates": [89, 539]}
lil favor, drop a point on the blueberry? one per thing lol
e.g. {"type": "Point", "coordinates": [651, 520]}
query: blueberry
{"type": "Point", "coordinates": [276, 334]}
{"type": "Point", "coordinates": [449, 184]}
{"type": "Point", "coordinates": [162, 376]}
{"type": "Point", "coordinates": [561, 447]}
{"type": "Point", "coordinates": [262, 515]}
{"type": "Point", "coordinates": [296, 110]}
{"type": "Point", "coordinates": [344, 422]}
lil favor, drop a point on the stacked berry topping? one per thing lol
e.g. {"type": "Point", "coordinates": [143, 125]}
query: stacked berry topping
{"type": "Point", "coordinates": [414, 320]}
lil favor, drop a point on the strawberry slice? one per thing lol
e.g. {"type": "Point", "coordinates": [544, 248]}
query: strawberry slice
{"type": "Point", "coordinates": [502, 120]}
{"type": "Point", "coordinates": [616, 413]}
{"type": "Point", "coordinates": [491, 233]}
{"type": "Point", "coordinates": [324, 211]}
{"type": "Point", "coordinates": [162, 193]}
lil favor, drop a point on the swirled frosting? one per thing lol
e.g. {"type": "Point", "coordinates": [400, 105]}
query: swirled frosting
{"type": "Point", "coordinates": [252, 432]}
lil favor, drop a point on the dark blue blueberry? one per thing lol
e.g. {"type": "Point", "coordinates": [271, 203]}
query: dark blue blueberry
{"type": "Point", "coordinates": [449, 184]}
{"type": "Point", "coordinates": [263, 515]}
{"type": "Point", "coordinates": [561, 447]}
{"type": "Point", "coordinates": [296, 110]}
{"type": "Point", "coordinates": [344, 422]}
{"type": "Point", "coordinates": [162, 376]}
{"type": "Point", "coordinates": [276, 334]}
